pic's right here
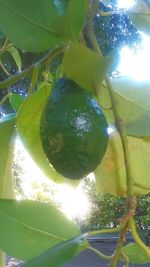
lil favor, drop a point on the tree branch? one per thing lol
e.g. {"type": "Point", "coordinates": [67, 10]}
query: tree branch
{"type": "Point", "coordinates": [28, 71]}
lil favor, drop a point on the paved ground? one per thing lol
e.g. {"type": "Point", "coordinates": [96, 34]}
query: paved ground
{"type": "Point", "coordinates": [89, 259]}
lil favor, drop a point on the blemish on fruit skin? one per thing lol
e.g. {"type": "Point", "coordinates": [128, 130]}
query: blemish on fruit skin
{"type": "Point", "coordinates": [56, 143]}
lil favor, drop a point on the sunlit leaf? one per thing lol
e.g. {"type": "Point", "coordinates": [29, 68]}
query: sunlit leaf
{"type": "Point", "coordinates": [84, 66]}
{"type": "Point", "coordinates": [132, 100]}
{"type": "Point", "coordinates": [56, 256]}
{"type": "Point", "coordinates": [111, 173]}
{"type": "Point", "coordinates": [14, 52]}
{"type": "Point", "coordinates": [29, 24]}
{"type": "Point", "coordinates": [135, 254]}
{"type": "Point", "coordinates": [28, 127]}
{"type": "Point", "coordinates": [7, 128]}
{"type": "Point", "coordinates": [28, 228]}
{"type": "Point", "coordinates": [16, 100]}
{"type": "Point", "coordinates": [140, 16]}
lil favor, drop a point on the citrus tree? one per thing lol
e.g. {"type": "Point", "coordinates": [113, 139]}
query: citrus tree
{"type": "Point", "coordinates": [63, 121]}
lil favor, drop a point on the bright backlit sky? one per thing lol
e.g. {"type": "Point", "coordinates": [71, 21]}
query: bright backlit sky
{"type": "Point", "coordinates": [134, 64]}
{"type": "Point", "coordinates": [125, 3]}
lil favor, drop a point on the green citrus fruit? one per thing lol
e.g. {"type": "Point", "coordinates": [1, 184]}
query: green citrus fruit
{"type": "Point", "coordinates": [73, 130]}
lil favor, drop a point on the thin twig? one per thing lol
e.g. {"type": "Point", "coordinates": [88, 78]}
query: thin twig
{"type": "Point", "coordinates": [137, 239]}
{"type": "Point", "coordinates": [119, 125]}
{"type": "Point", "coordinates": [125, 258]}
{"type": "Point", "coordinates": [4, 99]}
{"type": "Point", "coordinates": [105, 231]}
{"type": "Point", "coordinates": [113, 262]}
{"type": "Point", "coordinates": [14, 78]}
{"type": "Point", "coordinates": [100, 254]}
{"type": "Point", "coordinates": [34, 78]}
{"type": "Point", "coordinates": [4, 69]}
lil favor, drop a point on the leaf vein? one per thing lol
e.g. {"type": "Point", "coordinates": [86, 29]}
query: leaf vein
{"type": "Point", "coordinates": [27, 18]}
{"type": "Point", "coordinates": [33, 228]}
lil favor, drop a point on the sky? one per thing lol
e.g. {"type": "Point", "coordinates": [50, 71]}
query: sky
{"type": "Point", "coordinates": [134, 64]}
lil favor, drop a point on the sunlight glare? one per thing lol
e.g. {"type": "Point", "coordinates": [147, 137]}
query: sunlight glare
{"type": "Point", "coordinates": [72, 201]}
{"type": "Point", "coordinates": [135, 63]}
{"type": "Point", "coordinates": [125, 3]}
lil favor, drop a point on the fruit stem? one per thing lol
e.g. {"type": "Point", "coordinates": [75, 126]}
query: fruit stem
{"type": "Point", "coordinates": [124, 140]}
{"type": "Point", "coordinates": [131, 199]}
{"type": "Point", "coordinates": [44, 60]}
{"type": "Point", "coordinates": [118, 121]}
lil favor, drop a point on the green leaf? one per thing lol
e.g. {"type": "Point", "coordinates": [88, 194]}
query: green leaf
{"type": "Point", "coordinates": [69, 25]}
{"type": "Point", "coordinates": [29, 24]}
{"type": "Point", "coordinates": [135, 254]}
{"type": "Point", "coordinates": [28, 228]}
{"type": "Point", "coordinates": [16, 100]}
{"type": "Point", "coordinates": [57, 255]}
{"type": "Point", "coordinates": [6, 156]}
{"type": "Point", "coordinates": [132, 98]}
{"type": "Point", "coordinates": [59, 6]}
{"type": "Point", "coordinates": [14, 52]}
{"type": "Point", "coordinates": [84, 66]}
{"type": "Point", "coordinates": [65, 2]}
{"type": "Point", "coordinates": [28, 127]}
{"type": "Point", "coordinates": [111, 173]}
{"type": "Point", "coordinates": [76, 12]}
{"type": "Point", "coordinates": [140, 16]}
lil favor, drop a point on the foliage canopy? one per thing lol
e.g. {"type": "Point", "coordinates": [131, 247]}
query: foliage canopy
{"type": "Point", "coordinates": [72, 38]}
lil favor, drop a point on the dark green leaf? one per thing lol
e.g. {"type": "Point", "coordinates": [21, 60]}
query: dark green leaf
{"type": "Point", "coordinates": [6, 156]}
{"type": "Point", "coordinates": [16, 100]}
{"type": "Point", "coordinates": [29, 24]}
{"type": "Point", "coordinates": [84, 66]}
{"type": "Point", "coordinates": [28, 228]}
{"type": "Point", "coordinates": [135, 254]}
{"type": "Point", "coordinates": [57, 255]}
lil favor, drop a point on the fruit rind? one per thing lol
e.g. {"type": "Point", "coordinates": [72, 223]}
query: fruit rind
{"type": "Point", "coordinates": [73, 130]}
